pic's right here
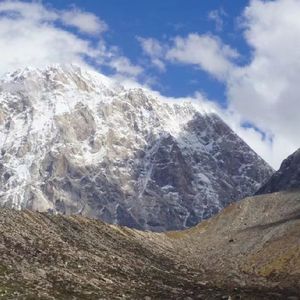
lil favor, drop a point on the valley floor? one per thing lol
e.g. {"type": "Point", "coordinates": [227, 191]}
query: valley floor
{"type": "Point", "coordinates": [58, 257]}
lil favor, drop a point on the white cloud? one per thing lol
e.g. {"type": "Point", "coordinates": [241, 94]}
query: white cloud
{"type": "Point", "coordinates": [32, 34]}
{"type": "Point", "coordinates": [33, 11]}
{"type": "Point", "coordinates": [151, 46]}
{"type": "Point", "coordinates": [264, 92]}
{"type": "Point", "coordinates": [26, 43]}
{"type": "Point", "coordinates": [154, 50]}
{"type": "Point", "coordinates": [84, 21]}
{"type": "Point", "coordinates": [204, 51]}
{"type": "Point", "coordinates": [217, 17]}
{"type": "Point", "coordinates": [267, 91]}
{"type": "Point", "coordinates": [122, 65]}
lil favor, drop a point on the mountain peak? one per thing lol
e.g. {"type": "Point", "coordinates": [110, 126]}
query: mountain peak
{"type": "Point", "coordinates": [75, 142]}
{"type": "Point", "coordinates": [28, 71]}
{"type": "Point", "coordinates": [59, 76]}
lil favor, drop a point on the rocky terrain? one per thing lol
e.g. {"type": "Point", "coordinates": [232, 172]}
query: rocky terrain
{"type": "Point", "coordinates": [75, 142]}
{"type": "Point", "coordinates": [251, 250]}
{"type": "Point", "coordinates": [286, 178]}
{"type": "Point", "coordinates": [254, 241]}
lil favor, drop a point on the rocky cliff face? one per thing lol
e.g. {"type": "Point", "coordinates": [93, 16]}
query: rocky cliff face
{"type": "Point", "coordinates": [286, 178]}
{"type": "Point", "coordinates": [73, 141]}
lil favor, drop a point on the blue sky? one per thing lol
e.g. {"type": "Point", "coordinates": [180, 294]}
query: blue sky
{"type": "Point", "coordinates": [163, 20]}
{"type": "Point", "coordinates": [239, 57]}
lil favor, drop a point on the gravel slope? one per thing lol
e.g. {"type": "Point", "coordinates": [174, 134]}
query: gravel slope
{"type": "Point", "coordinates": [251, 250]}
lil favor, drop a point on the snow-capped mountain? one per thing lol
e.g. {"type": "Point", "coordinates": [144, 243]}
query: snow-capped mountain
{"type": "Point", "coordinates": [74, 141]}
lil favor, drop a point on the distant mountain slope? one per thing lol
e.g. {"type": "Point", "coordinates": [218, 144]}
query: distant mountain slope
{"type": "Point", "coordinates": [286, 178]}
{"type": "Point", "coordinates": [254, 242]}
{"type": "Point", "coordinates": [75, 142]}
{"type": "Point", "coordinates": [58, 257]}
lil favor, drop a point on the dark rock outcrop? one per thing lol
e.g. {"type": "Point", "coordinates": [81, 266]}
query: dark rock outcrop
{"type": "Point", "coordinates": [286, 178]}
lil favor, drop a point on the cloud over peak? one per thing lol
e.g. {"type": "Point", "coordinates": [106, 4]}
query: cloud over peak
{"type": "Point", "coordinates": [204, 51]}
{"type": "Point", "coordinates": [152, 48]}
{"type": "Point", "coordinates": [263, 92]}
{"type": "Point", "coordinates": [84, 21]}
{"type": "Point", "coordinates": [36, 12]}
{"type": "Point", "coordinates": [34, 34]}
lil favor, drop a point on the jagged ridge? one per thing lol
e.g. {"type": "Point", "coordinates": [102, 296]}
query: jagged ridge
{"type": "Point", "coordinates": [74, 141]}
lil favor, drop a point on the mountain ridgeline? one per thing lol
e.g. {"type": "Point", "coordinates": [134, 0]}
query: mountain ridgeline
{"type": "Point", "coordinates": [286, 178]}
{"type": "Point", "coordinates": [75, 142]}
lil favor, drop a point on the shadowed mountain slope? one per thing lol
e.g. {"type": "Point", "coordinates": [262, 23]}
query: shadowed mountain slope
{"type": "Point", "coordinates": [286, 178]}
